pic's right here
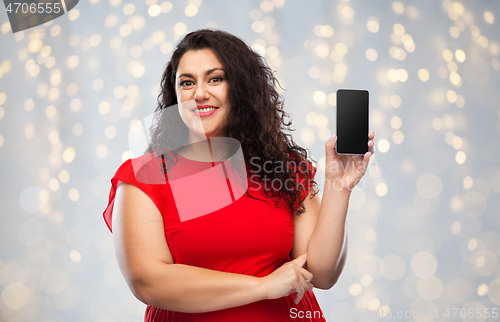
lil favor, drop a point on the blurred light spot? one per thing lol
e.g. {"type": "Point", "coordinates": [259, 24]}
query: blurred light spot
{"type": "Point", "coordinates": [326, 31]}
{"type": "Point", "coordinates": [319, 97]}
{"type": "Point", "coordinates": [311, 118]}
{"type": "Point", "coordinates": [455, 79]}
{"type": "Point", "coordinates": [53, 94]}
{"type": "Point", "coordinates": [53, 281]}
{"type": "Point", "coordinates": [332, 99]}
{"type": "Point", "coordinates": [166, 6]}
{"type": "Point", "coordinates": [73, 195]}
{"type": "Point", "coordinates": [371, 54]}
{"type": "Point", "coordinates": [101, 151]}
{"type": "Point", "coordinates": [125, 30]}
{"type": "Point", "coordinates": [395, 101]}
{"type": "Point", "coordinates": [447, 55]}
{"type": "Point", "coordinates": [451, 96]}
{"type": "Point", "coordinates": [69, 154]}
{"type": "Point", "coordinates": [373, 24]}
{"type": "Point", "coordinates": [454, 32]}
{"type": "Point", "coordinates": [383, 145]}
{"type": "Point", "coordinates": [255, 14]}
{"type": "Point", "coordinates": [472, 244]}
{"type": "Point", "coordinates": [15, 295]}
{"type": "Point", "coordinates": [111, 20]}
{"type": "Point", "coordinates": [366, 280]}
{"type": "Point", "coordinates": [460, 55]}
{"type": "Point", "coordinates": [488, 17]}
{"type": "Point", "coordinates": [429, 186]}
{"type": "Point", "coordinates": [374, 304]}
{"type": "Point", "coordinates": [399, 29]}
{"type": "Point", "coordinates": [345, 10]}
{"type": "Point", "coordinates": [53, 184]}
{"type": "Point", "coordinates": [381, 189]}
{"type": "Point", "coordinates": [494, 291]}
{"type": "Point", "coordinates": [457, 204]}
{"type": "Point", "coordinates": [482, 290]}
{"type": "Point", "coordinates": [128, 9]}
{"type": "Point", "coordinates": [397, 53]}
{"type": "Point", "coordinates": [456, 227]}
{"type": "Point", "coordinates": [392, 75]}
{"type": "Point", "coordinates": [355, 289]}
{"type": "Point", "coordinates": [398, 7]}
{"type": "Point", "coordinates": [457, 142]}
{"type": "Point", "coordinates": [341, 48]}
{"type": "Point", "coordinates": [370, 235]}
{"type": "Point", "coordinates": [73, 61]}
{"type": "Point", "coordinates": [115, 42]}
{"type": "Point", "coordinates": [97, 84]}
{"type": "Point", "coordinates": [402, 75]}
{"type": "Point", "coordinates": [314, 72]}
{"type": "Point", "coordinates": [166, 48]}
{"type": "Point", "coordinates": [396, 122]}
{"type": "Point", "coordinates": [307, 136]}
{"type": "Point", "coordinates": [452, 67]}
{"type": "Point", "coordinates": [104, 107]}
{"type": "Point", "coordinates": [460, 157]}
{"type": "Point", "coordinates": [63, 176]}
{"type": "Point", "coordinates": [75, 256]}
{"type": "Point", "coordinates": [423, 75]}
{"type": "Point", "coordinates": [29, 130]}
{"type": "Point", "coordinates": [191, 10]}
{"type": "Point", "coordinates": [423, 264]}
{"type": "Point", "coordinates": [77, 129]}
{"type": "Point", "coordinates": [110, 132]}
{"type": "Point", "coordinates": [74, 14]}
{"type": "Point", "coordinates": [180, 28]}
{"type": "Point", "coordinates": [430, 288]}
{"type": "Point", "coordinates": [322, 50]}
{"type": "Point", "coordinates": [127, 155]}
{"type": "Point", "coordinates": [76, 104]}
{"type": "Point", "coordinates": [138, 70]}
{"type": "Point", "coordinates": [484, 262]}
{"type": "Point", "coordinates": [398, 137]}
{"type": "Point", "coordinates": [266, 6]}
{"type": "Point", "coordinates": [29, 104]}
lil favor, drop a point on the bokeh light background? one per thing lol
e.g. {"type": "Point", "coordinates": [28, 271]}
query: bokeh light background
{"type": "Point", "coordinates": [423, 224]}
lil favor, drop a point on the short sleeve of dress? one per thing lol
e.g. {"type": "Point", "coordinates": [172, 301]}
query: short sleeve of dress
{"type": "Point", "coordinates": [126, 173]}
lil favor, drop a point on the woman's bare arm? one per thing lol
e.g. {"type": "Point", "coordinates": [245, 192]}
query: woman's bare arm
{"type": "Point", "coordinates": [147, 265]}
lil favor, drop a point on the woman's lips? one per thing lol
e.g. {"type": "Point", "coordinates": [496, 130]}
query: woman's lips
{"type": "Point", "coordinates": [195, 111]}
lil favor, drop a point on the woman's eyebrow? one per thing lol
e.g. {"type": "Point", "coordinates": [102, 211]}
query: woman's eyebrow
{"type": "Point", "coordinates": [208, 72]}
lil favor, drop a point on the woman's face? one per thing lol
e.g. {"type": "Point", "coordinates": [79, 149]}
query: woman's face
{"type": "Point", "coordinates": [201, 84]}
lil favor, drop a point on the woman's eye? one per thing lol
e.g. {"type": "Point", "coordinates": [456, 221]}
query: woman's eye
{"type": "Point", "coordinates": [185, 83]}
{"type": "Point", "coordinates": [216, 79]}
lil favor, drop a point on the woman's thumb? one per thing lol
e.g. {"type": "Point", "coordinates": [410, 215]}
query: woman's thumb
{"type": "Point", "coordinates": [301, 260]}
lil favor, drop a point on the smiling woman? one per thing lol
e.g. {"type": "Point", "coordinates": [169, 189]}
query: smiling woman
{"type": "Point", "coordinates": [245, 260]}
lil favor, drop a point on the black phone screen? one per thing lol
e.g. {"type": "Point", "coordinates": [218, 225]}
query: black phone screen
{"type": "Point", "coordinates": [352, 121]}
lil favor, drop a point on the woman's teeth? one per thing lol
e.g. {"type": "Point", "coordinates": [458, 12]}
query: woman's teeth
{"type": "Point", "coordinates": [206, 109]}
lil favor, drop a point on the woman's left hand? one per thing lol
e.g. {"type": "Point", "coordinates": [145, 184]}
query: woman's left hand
{"type": "Point", "coordinates": [345, 171]}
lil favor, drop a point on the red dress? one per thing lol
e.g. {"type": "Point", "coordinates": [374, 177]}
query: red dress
{"type": "Point", "coordinates": [247, 236]}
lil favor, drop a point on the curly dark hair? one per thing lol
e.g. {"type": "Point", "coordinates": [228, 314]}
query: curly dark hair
{"type": "Point", "coordinates": [256, 118]}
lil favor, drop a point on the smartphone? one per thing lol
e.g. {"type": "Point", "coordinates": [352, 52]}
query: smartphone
{"type": "Point", "coordinates": [352, 121]}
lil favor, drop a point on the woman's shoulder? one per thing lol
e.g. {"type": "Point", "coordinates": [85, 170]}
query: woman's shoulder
{"type": "Point", "coordinates": [146, 169]}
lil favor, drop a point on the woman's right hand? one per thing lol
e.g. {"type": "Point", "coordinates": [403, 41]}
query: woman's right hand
{"type": "Point", "coordinates": [290, 278]}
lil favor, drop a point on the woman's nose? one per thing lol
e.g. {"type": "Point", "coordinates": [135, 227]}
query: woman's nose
{"type": "Point", "coordinates": [201, 93]}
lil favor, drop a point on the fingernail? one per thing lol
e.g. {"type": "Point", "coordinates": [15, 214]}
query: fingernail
{"type": "Point", "coordinates": [333, 136]}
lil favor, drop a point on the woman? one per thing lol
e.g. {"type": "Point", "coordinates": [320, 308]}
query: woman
{"type": "Point", "coordinates": [248, 260]}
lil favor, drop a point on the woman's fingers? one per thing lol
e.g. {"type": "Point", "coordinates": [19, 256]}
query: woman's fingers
{"type": "Point", "coordinates": [308, 276]}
